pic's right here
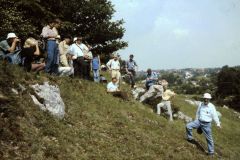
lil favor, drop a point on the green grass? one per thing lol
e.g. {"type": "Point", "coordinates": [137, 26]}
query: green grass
{"type": "Point", "coordinates": [98, 126]}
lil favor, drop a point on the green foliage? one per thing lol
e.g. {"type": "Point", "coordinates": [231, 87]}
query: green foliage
{"type": "Point", "coordinates": [228, 86]}
{"type": "Point", "coordinates": [91, 19]}
{"type": "Point", "coordinates": [12, 20]}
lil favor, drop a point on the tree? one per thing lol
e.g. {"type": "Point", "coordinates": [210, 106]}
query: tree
{"type": "Point", "coordinates": [228, 86]}
{"type": "Point", "coordinates": [91, 19]}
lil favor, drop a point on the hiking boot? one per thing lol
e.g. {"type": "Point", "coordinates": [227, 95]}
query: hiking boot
{"type": "Point", "coordinates": [191, 141]}
{"type": "Point", "coordinates": [210, 154]}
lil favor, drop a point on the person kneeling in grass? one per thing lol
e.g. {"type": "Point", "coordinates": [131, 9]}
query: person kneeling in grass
{"type": "Point", "coordinates": [112, 88]}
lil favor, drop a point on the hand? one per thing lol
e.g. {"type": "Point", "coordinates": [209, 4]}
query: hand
{"type": "Point", "coordinates": [219, 127]}
{"type": "Point", "coordinates": [16, 40]}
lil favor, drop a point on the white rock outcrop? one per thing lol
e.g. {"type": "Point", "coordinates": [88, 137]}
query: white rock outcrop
{"type": "Point", "coordinates": [52, 100]}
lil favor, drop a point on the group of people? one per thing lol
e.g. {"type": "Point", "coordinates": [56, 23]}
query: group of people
{"type": "Point", "coordinates": [52, 54]}
{"type": "Point", "coordinates": [205, 114]}
{"type": "Point", "coordinates": [64, 58]}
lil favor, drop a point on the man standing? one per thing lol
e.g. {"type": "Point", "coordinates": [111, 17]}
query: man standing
{"type": "Point", "coordinates": [50, 33]}
{"type": "Point", "coordinates": [77, 51]}
{"type": "Point", "coordinates": [130, 69]}
{"type": "Point", "coordinates": [9, 48]}
{"type": "Point", "coordinates": [114, 67]}
{"type": "Point", "coordinates": [205, 114]}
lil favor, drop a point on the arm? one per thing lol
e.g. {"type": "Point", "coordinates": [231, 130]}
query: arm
{"type": "Point", "coordinates": [198, 111]}
{"type": "Point", "coordinates": [109, 65]}
{"type": "Point", "coordinates": [37, 52]}
{"type": "Point", "coordinates": [14, 45]}
{"type": "Point", "coordinates": [61, 48]}
{"type": "Point", "coordinates": [99, 63]}
{"type": "Point", "coordinates": [215, 116]}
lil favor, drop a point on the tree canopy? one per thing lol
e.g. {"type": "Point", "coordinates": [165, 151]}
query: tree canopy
{"type": "Point", "coordinates": [91, 19]}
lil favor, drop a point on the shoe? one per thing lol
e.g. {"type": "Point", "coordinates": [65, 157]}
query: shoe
{"type": "Point", "coordinates": [191, 140]}
{"type": "Point", "coordinates": [210, 154]}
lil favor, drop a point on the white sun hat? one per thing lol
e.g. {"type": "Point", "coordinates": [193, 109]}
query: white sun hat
{"type": "Point", "coordinates": [207, 96]}
{"type": "Point", "coordinates": [74, 39]}
{"type": "Point", "coordinates": [11, 35]}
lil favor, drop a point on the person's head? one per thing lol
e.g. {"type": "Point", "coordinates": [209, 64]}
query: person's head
{"type": "Point", "coordinates": [206, 98]}
{"type": "Point", "coordinates": [57, 23]}
{"type": "Point", "coordinates": [114, 80]}
{"type": "Point", "coordinates": [30, 42]}
{"type": "Point", "coordinates": [67, 39]}
{"type": "Point", "coordinates": [131, 57]}
{"type": "Point", "coordinates": [149, 71]}
{"type": "Point", "coordinates": [78, 40]}
{"type": "Point", "coordinates": [11, 37]}
{"type": "Point", "coordinates": [115, 57]}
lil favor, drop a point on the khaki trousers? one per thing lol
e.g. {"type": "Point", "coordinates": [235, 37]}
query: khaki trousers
{"type": "Point", "coordinates": [117, 74]}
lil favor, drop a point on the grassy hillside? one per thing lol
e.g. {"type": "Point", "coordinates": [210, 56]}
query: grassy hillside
{"type": "Point", "coordinates": [97, 125]}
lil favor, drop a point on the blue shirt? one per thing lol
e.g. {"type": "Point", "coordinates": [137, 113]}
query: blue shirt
{"type": "Point", "coordinates": [95, 63]}
{"type": "Point", "coordinates": [207, 113]}
{"type": "Point", "coordinates": [152, 77]}
{"type": "Point", "coordinates": [130, 65]}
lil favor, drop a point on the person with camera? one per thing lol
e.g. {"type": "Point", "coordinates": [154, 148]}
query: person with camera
{"type": "Point", "coordinates": [10, 48]}
{"type": "Point", "coordinates": [30, 55]}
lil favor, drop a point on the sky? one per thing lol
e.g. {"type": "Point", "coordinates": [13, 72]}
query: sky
{"type": "Point", "coordinates": [174, 34]}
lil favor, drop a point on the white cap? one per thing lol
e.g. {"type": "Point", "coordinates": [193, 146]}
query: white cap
{"type": "Point", "coordinates": [11, 35]}
{"type": "Point", "coordinates": [74, 39]}
{"type": "Point", "coordinates": [207, 96]}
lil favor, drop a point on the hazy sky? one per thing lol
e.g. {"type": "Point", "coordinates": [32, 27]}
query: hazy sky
{"type": "Point", "coordinates": [165, 34]}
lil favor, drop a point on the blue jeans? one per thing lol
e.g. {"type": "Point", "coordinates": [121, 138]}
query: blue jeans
{"type": "Point", "coordinates": [52, 57]}
{"type": "Point", "coordinates": [96, 75]}
{"type": "Point", "coordinates": [206, 129]}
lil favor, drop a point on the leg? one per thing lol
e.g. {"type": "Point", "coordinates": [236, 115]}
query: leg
{"type": "Point", "coordinates": [50, 56]}
{"type": "Point", "coordinates": [206, 128]}
{"type": "Point", "coordinates": [146, 96]}
{"type": "Point", "coordinates": [169, 110]}
{"type": "Point", "coordinates": [118, 75]}
{"type": "Point", "coordinates": [56, 59]}
{"type": "Point", "coordinates": [190, 126]}
{"type": "Point", "coordinates": [132, 77]}
{"type": "Point", "coordinates": [97, 75]}
{"type": "Point", "coordinates": [159, 106]}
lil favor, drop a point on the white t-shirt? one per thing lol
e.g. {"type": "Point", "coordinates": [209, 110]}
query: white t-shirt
{"type": "Point", "coordinates": [112, 64]}
{"type": "Point", "coordinates": [111, 87]}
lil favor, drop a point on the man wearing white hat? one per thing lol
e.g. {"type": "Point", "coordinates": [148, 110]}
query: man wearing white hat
{"type": "Point", "coordinates": [77, 50]}
{"type": "Point", "coordinates": [10, 47]}
{"type": "Point", "coordinates": [205, 114]}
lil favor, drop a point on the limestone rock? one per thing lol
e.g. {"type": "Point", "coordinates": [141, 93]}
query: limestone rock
{"type": "Point", "coordinates": [52, 100]}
